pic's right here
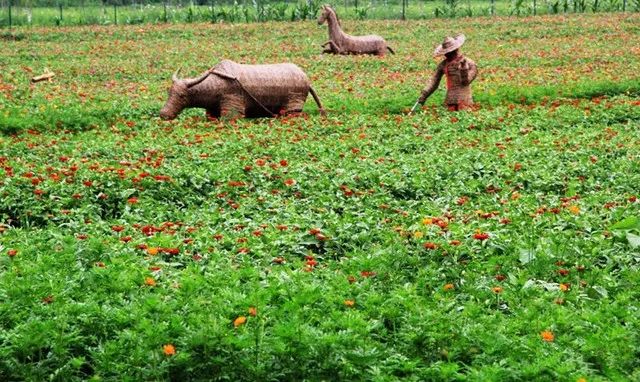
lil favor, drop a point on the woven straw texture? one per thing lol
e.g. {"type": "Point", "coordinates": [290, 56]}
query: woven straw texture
{"type": "Point", "coordinates": [460, 73]}
{"type": "Point", "coordinates": [342, 43]}
{"type": "Point", "coordinates": [245, 90]}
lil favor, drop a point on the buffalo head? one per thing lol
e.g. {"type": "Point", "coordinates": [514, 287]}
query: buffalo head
{"type": "Point", "coordinates": [179, 95]}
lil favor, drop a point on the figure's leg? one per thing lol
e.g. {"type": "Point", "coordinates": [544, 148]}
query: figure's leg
{"type": "Point", "coordinates": [232, 106]}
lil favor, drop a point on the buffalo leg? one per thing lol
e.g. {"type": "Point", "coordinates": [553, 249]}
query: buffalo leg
{"type": "Point", "coordinates": [295, 103]}
{"type": "Point", "coordinates": [232, 106]}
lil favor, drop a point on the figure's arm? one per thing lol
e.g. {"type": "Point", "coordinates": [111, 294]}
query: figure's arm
{"type": "Point", "coordinates": [468, 71]}
{"type": "Point", "coordinates": [433, 83]}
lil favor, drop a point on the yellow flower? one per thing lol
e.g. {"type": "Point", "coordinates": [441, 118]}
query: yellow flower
{"type": "Point", "coordinates": [574, 209]}
{"type": "Point", "coordinates": [427, 221]}
{"type": "Point", "coordinates": [149, 281]}
{"type": "Point", "coordinates": [448, 286]}
{"type": "Point", "coordinates": [152, 251]}
{"type": "Point", "coordinates": [418, 234]}
{"type": "Point", "coordinates": [349, 303]}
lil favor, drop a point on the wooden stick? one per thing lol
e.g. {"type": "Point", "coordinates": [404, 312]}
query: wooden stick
{"type": "Point", "coordinates": [42, 77]}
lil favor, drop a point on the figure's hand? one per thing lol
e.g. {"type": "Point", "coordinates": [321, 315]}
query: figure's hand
{"type": "Point", "coordinates": [464, 64]}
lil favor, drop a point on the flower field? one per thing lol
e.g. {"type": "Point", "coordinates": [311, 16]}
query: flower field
{"type": "Point", "coordinates": [498, 244]}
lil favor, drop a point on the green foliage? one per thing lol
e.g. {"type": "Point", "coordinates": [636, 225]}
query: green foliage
{"type": "Point", "coordinates": [499, 243]}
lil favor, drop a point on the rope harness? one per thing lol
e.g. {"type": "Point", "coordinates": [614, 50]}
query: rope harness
{"type": "Point", "coordinates": [254, 99]}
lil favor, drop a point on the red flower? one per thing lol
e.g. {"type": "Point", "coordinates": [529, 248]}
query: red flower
{"type": "Point", "coordinates": [284, 163]}
{"type": "Point", "coordinates": [12, 252]}
{"type": "Point", "coordinates": [455, 242]}
{"type": "Point", "coordinates": [367, 274]}
{"type": "Point", "coordinates": [290, 182]}
{"type": "Point", "coordinates": [87, 183]}
{"type": "Point", "coordinates": [429, 245]}
{"type": "Point", "coordinates": [481, 236]}
{"type": "Point", "coordinates": [132, 200]}
{"type": "Point", "coordinates": [563, 272]}
{"type": "Point", "coordinates": [117, 228]}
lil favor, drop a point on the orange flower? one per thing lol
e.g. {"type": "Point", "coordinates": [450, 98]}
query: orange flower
{"type": "Point", "coordinates": [564, 287]}
{"type": "Point", "coordinates": [349, 303]}
{"type": "Point", "coordinates": [253, 311]}
{"type": "Point", "coordinates": [427, 221]}
{"type": "Point", "coordinates": [152, 251]}
{"type": "Point", "coordinates": [547, 336]}
{"type": "Point", "coordinates": [168, 349]}
{"type": "Point", "coordinates": [448, 286]}
{"type": "Point", "coordinates": [149, 281]}
{"type": "Point", "coordinates": [241, 320]}
{"type": "Point", "coordinates": [496, 290]}
{"type": "Point", "coordinates": [574, 209]}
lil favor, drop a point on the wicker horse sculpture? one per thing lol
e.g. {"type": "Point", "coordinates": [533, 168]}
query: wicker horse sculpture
{"type": "Point", "coordinates": [342, 43]}
{"type": "Point", "coordinates": [230, 88]}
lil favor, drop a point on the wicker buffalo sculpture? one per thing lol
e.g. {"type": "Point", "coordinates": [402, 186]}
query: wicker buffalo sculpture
{"type": "Point", "coordinates": [342, 43]}
{"type": "Point", "coordinates": [232, 89]}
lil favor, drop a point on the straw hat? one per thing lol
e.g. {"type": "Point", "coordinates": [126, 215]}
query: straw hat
{"type": "Point", "coordinates": [449, 45]}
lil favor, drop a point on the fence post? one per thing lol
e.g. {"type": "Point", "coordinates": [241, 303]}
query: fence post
{"type": "Point", "coordinates": [213, 11]}
{"type": "Point", "coordinates": [493, 7]}
{"type": "Point", "coordinates": [115, 14]}
{"type": "Point", "coordinates": [624, 5]}
{"type": "Point", "coordinates": [164, 4]}
{"type": "Point", "coordinates": [10, 23]}
{"type": "Point", "coordinates": [404, 12]}
{"type": "Point", "coordinates": [534, 7]}
{"type": "Point", "coordinates": [60, 11]}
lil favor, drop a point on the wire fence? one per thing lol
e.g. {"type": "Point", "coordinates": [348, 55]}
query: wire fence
{"type": "Point", "coordinates": [88, 12]}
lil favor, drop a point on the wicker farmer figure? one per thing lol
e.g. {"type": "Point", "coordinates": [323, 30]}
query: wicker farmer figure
{"type": "Point", "coordinates": [460, 72]}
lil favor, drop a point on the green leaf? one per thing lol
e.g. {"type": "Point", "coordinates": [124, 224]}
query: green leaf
{"type": "Point", "coordinates": [597, 292]}
{"type": "Point", "coordinates": [634, 240]}
{"type": "Point", "coordinates": [629, 222]}
{"type": "Point", "coordinates": [526, 256]}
